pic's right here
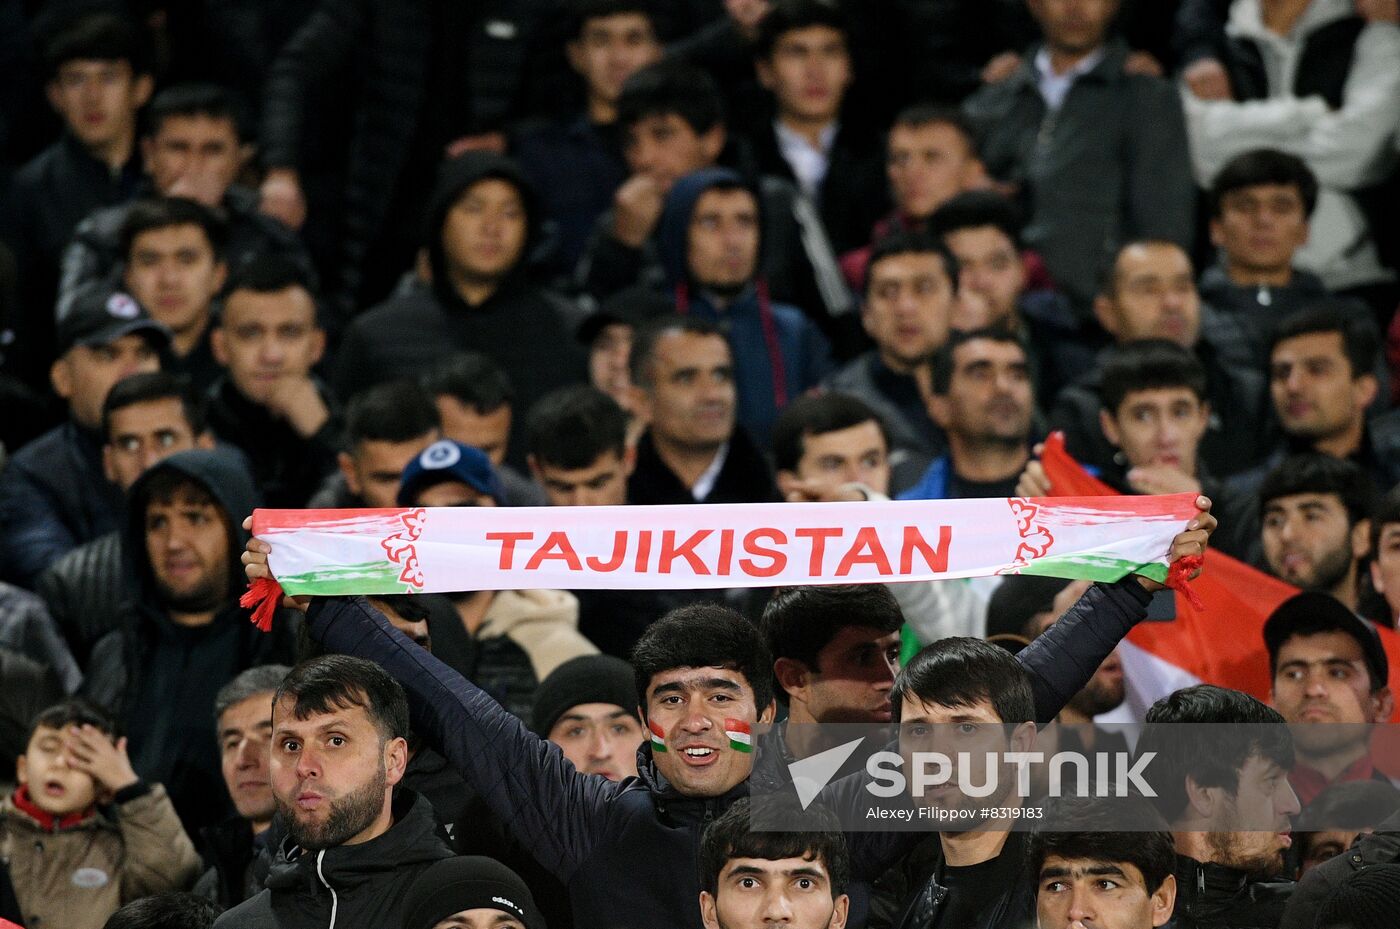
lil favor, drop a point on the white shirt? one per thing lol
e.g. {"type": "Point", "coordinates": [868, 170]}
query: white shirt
{"type": "Point", "coordinates": [1055, 87]}
{"type": "Point", "coordinates": [808, 164]}
{"type": "Point", "coordinates": [706, 481]}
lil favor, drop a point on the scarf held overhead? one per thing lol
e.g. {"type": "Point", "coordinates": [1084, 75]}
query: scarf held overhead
{"type": "Point", "coordinates": [447, 549]}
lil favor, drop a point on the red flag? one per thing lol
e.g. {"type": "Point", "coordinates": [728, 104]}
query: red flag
{"type": "Point", "coordinates": [1223, 642]}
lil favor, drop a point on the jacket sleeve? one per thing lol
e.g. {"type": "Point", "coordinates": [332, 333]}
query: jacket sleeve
{"type": "Point", "coordinates": [158, 856]}
{"type": "Point", "coordinates": [1063, 659]}
{"type": "Point", "coordinates": [83, 260]}
{"type": "Point", "coordinates": [608, 264]}
{"type": "Point", "coordinates": [318, 48]}
{"type": "Point", "coordinates": [1161, 192]}
{"type": "Point", "coordinates": [1200, 30]}
{"type": "Point", "coordinates": [533, 791]}
{"type": "Point", "coordinates": [1346, 148]}
{"type": "Point", "coordinates": [32, 536]}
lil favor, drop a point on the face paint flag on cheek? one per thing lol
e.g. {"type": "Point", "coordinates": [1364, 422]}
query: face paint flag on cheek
{"type": "Point", "coordinates": [658, 737]}
{"type": "Point", "coordinates": [740, 735]}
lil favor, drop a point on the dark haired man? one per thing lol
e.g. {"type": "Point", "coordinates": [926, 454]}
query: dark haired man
{"type": "Point", "coordinates": [830, 447]}
{"type": "Point", "coordinates": [754, 880]}
{"type": "Point", "coordinates": [166, 911]}
{"type": "Point", "coordinates": [1260, 205]}
{"type": "Point", "coordinates": [981, 396]}
{"type": "Point", "coordinates": [1155, 413]}
{"type": "Point", "coordinates": [1097, 153]}
{"type": "Point", "coordinates": [983, 231]}
{"type": "Point", "coordinates": [97, 80]}
{"type": "Point", "coordinates": [1330, 674]}
{"type": "Point", "coordinates": [1338, 105]}
{"type": "Point", "coordinates": [1321, 376]}
{"type": "Point", "coordinates": [386, 427]}
{"type": "Point", "coordinates": [476, 403]}
{"type": "Point", "coordinates": [194, 147]}
{"type": "Point", "coordinates": [243, 727]}
{"type": "Point", "coordinates": [672, 121]}
{"type": "Point", "coordinates": [975, 878]}
{"type": "Point", "coordinates": [1150, 293]}
{"type": "Point", "coordinates": [182, 635]}
{"type": "Point", "coordinates": [1099, 875]}
{"type": "Point", "coordinates": [575, 161]}
{"type": "Point", "coordinates": [483, 222]}
{"type": "Point", "coordinates": [835, 656]}
{"type": "Point", "coordinates": [802, 58]}
{"type": "Point", "coordinates": [910, 289]}
{"type": "Point", "coordinates": [53, 494]}
{"type": "Point", "coordinates": [703, 679]}
{"type": "Point", "coordinates": [1228, 807]}
{"type": "Point", "coordinates": [268, 403]}
{"type": "Point", "coordinates": [579, 454]}
{"type": "Point", "coordinates": [693, 450]}
{"type": "Point", "coordinates": [931, 157]}
{"type": "Point", "coordinates": [353, 844]}
{"type": "Point", "coordinates": [1385, 561]}
{"type": "Point", "coordinates": [146, 418]}
{"type": "Point", "coordinates": [709, 242]}
{"type": "Point", "coordinates": [1315, 512]}
{"type": "Point", "coordinates": [172, 259]}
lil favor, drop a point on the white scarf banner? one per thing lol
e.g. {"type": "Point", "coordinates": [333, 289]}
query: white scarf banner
{"type": "Point", "coordinates": [446, 549]}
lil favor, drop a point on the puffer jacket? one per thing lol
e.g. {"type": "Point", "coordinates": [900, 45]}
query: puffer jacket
{"type": "Point", "coordinates": [74, 873]}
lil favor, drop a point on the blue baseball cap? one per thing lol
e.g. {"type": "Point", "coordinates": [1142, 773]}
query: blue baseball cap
{"type": "Point", "coordinates": [446, 460]}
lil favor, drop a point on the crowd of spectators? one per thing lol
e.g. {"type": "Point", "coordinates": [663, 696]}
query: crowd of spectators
{"type": "Point", "coordinates": [377, 253]}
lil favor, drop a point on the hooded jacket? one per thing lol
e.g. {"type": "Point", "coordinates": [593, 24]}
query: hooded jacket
{"type": "Point", "coordinates": [779, 354]}
{"type": "Point", "coordinates": [75, 873]}
{"type": "Point", "coordinates": [349, 886]}
{"type": "Point", "coordinates": [525, 328]}
{"type": "Point", "coordinates": [160, 678]}
{"type": "Point", "coordinates": [627, 850]}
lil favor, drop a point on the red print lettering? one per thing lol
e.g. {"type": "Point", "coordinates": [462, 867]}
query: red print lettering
{"type": "Point", "coordinates": [508, 540]}
{"type": "Point", "coordinates": [615, 562]}
{"type": "Point", "coordinates": [818, 537]}
{"type": "Point", "coordinates": [935, 558]}
{"type": "Point", "coordinates": [669, 551]}
{"type": "Point", "coordinates": [555, 548]}
{"type": "Point", "coordinates": [865, 550]}
{"type": "Point", "coordinates": [777, 560]}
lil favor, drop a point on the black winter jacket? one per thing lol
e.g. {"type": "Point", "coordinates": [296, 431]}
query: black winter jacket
{"type": "Point", "coordinates": [160, 678]}
{"type": "Point", "coordinates": [1379, 848]}
{"type": "Point", "coordinates": [95, 250]}
{"type": "Point", "coordinates": [387, 46]}
{"type": "Point", "coordinates": [598, 836]}
{"type": "Point", "coordinates": [1210, 896]}
{"type": "Point", "coordinates": [84, 591]}
{"type": "Point", "coordinates": [53, 497]}
{"type": "Point", "coordinates": [349, 886]}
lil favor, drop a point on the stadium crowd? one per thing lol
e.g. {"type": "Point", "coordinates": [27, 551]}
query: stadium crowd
{"type": "Point", "coordinates": [556, 253]}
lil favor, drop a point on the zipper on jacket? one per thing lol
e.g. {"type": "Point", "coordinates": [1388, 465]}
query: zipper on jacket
{"type": "Point", "coordinates": [335, 899]}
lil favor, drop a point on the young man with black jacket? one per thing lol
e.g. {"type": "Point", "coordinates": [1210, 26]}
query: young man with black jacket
{"type": "Point", "coordinates": [483, 223]}
{"type": "Point", "coordinates": [1228, 808]}
{"type": "Point", "coordinates": [182, 635]}
{"type": "Point", "coordinates": [353, 842]}
{"type": "Point", "coordinates": [701, 670]}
